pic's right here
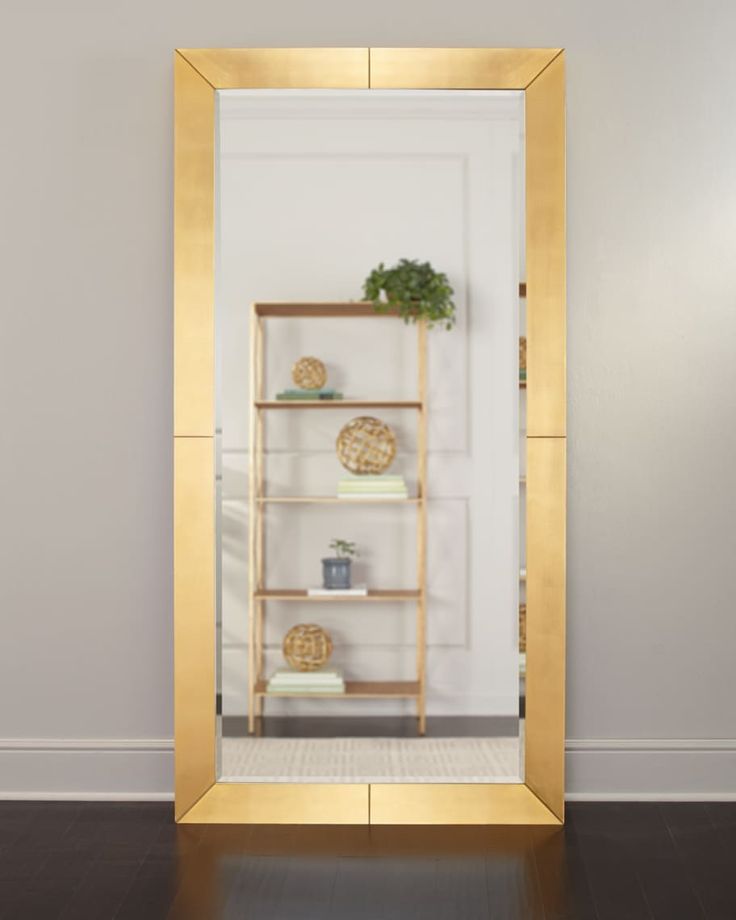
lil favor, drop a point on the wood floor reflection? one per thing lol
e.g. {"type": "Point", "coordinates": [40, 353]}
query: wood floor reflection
{"type": "Point", "coordinates": [123, 861]}
{"type": "Point", "coordinates": [372, 726]}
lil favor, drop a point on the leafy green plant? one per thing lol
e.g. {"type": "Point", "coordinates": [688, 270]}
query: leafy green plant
{"type": "Point", "coordinates": [415, 289]}
{"type": "Point", "coordinates": [344, 549]}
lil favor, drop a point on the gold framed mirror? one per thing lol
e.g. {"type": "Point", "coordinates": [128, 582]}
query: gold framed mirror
{"type": "Point", "coordinates": [200, 797]}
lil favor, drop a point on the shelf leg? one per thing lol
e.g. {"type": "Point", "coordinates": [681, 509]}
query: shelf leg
{"type": "Point", "coordinates": [421, 637]}
{"type": "Point", "coordinates": [259, 612]}
{"type": "Point", "coordinates": [421, 715]}
{"type": "Point", "coordinates": [251, 711]}
{"type": "Point", "coordinates": [255, 544]}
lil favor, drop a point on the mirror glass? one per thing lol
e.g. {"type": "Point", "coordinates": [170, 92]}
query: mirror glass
{"type": "Point", "coordinates": [370, 471]}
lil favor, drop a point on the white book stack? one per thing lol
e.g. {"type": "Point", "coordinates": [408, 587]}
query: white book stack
{"type": "Point", "coordinates": [372, 488]}
{"type": "Point", "coordinates": [355, 591]}
{"type": "Point", "coordinates": [296, 682]}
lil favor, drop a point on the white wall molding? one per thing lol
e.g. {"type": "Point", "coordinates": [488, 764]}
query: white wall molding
{"type": "Point", "coordinates": [90, 769]}
{"type": "Point", "coordinates": [98, 745]}
{"type": "Point", "coordinates": [645, 769]}
{"type": "Point", "coordinates": [141, 769]}
{"type": "Point", "coordinates": [616, 745]}
{"type": "Point", "coordinates": [86, 796]}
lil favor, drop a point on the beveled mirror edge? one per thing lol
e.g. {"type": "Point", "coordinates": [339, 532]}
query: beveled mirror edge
{"type": "Point", "coordinates": [198, 797]}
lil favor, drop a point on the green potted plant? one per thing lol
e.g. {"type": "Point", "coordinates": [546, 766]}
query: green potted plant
{"type": "Point", "coordinates": [415, 289]}
{"type": "Point", "coordinates": [336, 570]}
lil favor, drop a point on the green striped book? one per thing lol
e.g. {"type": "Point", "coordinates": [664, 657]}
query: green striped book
{"type": "Point", "coordinates": [287, 395]}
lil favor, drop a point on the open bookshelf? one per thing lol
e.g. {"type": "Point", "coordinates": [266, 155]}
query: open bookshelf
{"type": "Point", "coordinates": [259, 594]}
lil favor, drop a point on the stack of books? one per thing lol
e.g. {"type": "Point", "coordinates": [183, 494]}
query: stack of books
{"type": "Point", "coordinates": [355, 591]}
{"type": "Point", "coordinates": [287, 681]}
{"type": "Point", "coordinates": [372, 487]}
{"type": "Point", "coordinates": [322, 393]}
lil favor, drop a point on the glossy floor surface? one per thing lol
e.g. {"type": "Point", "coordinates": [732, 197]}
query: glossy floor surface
{"type": "Point", "coordinates": [610, 862]}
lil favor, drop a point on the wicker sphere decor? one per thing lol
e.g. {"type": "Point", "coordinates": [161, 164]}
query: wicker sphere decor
{"type": "Point", "coordinates": [309, 373]}
{"type": "Point", "coordinates": [307, 647]}
{"type": "Point", "coordinates": [366, 445]}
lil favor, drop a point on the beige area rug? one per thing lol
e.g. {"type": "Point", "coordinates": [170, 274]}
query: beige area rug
{"type": "Point", "coordinates": [371, 760]}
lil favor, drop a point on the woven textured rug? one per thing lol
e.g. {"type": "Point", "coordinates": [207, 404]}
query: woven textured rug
{"type": "Point", "coordinates": [371, 760]}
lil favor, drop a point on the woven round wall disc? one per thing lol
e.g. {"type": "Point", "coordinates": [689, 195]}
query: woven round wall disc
{"type": "Point", "coordinates": [309, 373]}
{"type": "Point", "coordinates": [366, 445]}
{"type": "Point", "coordinates": [307, 647]}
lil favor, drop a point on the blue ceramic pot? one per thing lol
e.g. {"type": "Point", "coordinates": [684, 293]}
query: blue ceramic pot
{"type": "Point", "coordinates": [336, 573]}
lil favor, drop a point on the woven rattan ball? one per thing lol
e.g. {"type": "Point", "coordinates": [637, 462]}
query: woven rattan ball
{"type": "Point", "coordinates": [307, 647]}
{"type": "Point", "coordinates": [309, 373]}
{"type": "Point", "coordinates": [366, 445]}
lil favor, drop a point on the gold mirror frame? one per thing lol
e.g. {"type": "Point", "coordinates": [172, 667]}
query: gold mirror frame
{"type": "Point", "coordinates": [199, 797]}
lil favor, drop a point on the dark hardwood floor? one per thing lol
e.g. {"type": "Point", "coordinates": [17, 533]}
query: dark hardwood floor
{"type": "Point", "coordinates": [610, 862]}
{"type": "Point", "coordinates": [372, 727]}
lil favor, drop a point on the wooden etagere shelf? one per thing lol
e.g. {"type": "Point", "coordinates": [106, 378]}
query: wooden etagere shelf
{"type": "Point", "coordinates": [297, 594]}
{"type": "Point", "coordinates": [332, 500]}
{"type": "Point", "coordinates": [260, 595]}
{"type": "Point", "coordinates": [368, 689]}
{"type": "Point", "coordinates": [337, 404]}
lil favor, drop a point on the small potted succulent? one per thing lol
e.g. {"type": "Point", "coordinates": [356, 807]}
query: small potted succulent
{"type": "Point", "coordinates": [415, 289]}
{"type": "Point", "coordinates": [336, 572]}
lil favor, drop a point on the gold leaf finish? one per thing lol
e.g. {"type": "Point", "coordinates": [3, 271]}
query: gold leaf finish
{"type": "Point", "coordinates": [194, 252]}
{"type": "Point", "coordinates": [457, 68]}
{"type": "Point", "coordinates": [457, 803]}
{"type": "Point", "coordinates": [545, 621]}
{"type": "Point", "coordinates": [545, 252]}
{"type": "Point", "coordinates": [282, 803]}
{"type": "Point", "coordinates": [198, 73]}
{"type": "Point", "coordinates": [194, 627]}
{"type": "Point", "coordinates": [281, 68]}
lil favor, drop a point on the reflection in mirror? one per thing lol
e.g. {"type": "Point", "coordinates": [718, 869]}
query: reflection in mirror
{"type": "Point", "coordinates": [391, 871]}
{"type": "Point", "coordinates": [370, 470]}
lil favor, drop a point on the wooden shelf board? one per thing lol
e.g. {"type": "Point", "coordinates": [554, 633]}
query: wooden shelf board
{"type": "Point", "coordinates": [337, 404]}
{"type": "Point", "coordinates": [332, 500]}
{"type": "Point", "coordinates": [328, 310]}
{"type": "Point", "coordinates": [368, 689]}
{"type": "Point", "coordinates": [293, 594]}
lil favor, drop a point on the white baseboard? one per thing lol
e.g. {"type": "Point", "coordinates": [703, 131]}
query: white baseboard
{"type": "Point", "coordinates": [126, 770]}
{"type": "Point", "coordinates": [99, 745]}
{"type": "Point", "coordinates": [654, 770]}
{"type": "Point", "coordinates": [86, 796]}
{"type": "Point", "coordinates": [650, 796]}
{"type": "Point", "coordinates": [598, 770]}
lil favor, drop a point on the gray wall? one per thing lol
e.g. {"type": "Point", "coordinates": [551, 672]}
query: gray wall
{"type": "Point", "coordinates": [85, 649]}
